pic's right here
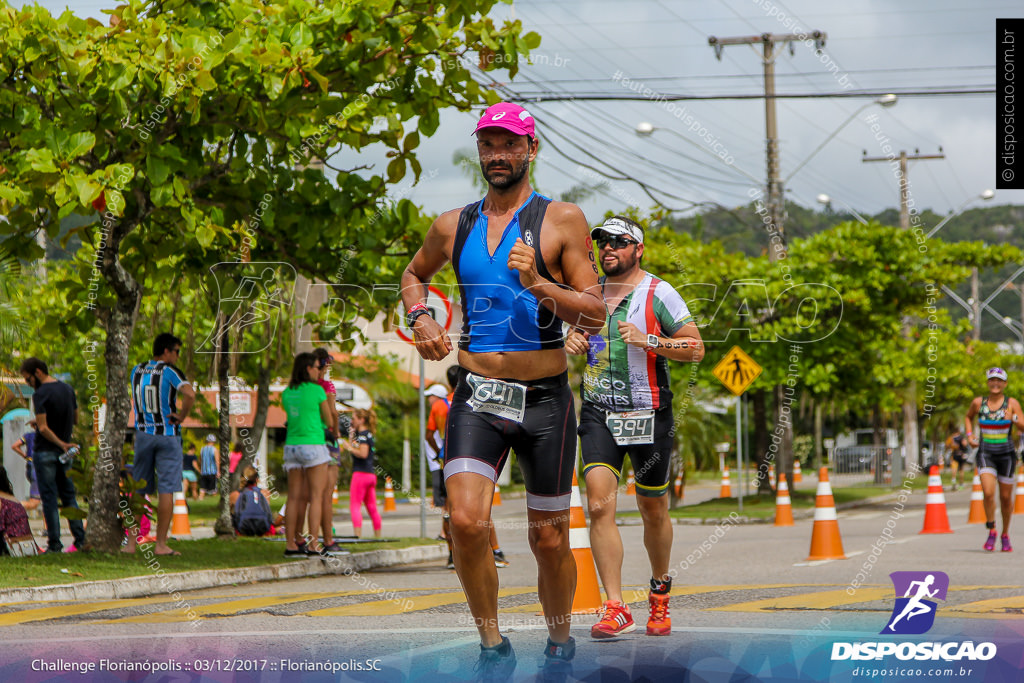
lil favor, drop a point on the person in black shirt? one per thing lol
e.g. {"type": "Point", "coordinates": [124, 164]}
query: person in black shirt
{"type": "Point", "coordinates": [56, 413]}
{"type": "Point", "coordinates": [958, 458]}
{"type": "Point", "coordinates": [364, 474]}
{"type": "Point", "coordinates": [190, 472]}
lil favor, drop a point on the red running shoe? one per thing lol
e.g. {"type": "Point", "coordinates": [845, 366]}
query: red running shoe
{"type": "Point", "coordinates": [615, 620]}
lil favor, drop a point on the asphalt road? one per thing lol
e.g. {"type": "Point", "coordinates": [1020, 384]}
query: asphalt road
{"type": "Point", "coordinates": [745, 600]}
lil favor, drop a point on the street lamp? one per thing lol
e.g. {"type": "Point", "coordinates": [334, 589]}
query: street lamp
{"type": "Point", "coordinates": [826, 200]}
{"type": "Point", "coordinates": [645, 129]}
{"type": "Point", "coordinates": [883, 101]}
{"type": "Point", "coordinates": [984, 196]}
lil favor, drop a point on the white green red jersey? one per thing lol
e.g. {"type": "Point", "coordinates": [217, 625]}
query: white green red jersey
{"type": "Point", "coordinates": [620, 377]}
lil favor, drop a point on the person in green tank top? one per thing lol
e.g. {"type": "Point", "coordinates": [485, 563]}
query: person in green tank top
{"type": "Point", "coordinates": [305, 454]}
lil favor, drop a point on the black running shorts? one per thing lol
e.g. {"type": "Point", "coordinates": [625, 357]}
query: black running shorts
{"type": "Point", "coordinates": [544, 442]}
{"type": "Point", "coordinates": [1001, 463]}
{"type": "Point", "coordinates": [651, 462]}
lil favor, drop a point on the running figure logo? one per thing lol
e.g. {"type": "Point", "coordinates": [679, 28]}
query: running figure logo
{"type": "Point", "coordinates": [913, 613]}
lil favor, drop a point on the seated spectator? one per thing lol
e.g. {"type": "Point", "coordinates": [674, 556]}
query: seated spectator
{"type": "Point", "coordinates": [13, 518]}
{"type": "Point", "coordinates": [251, 509]}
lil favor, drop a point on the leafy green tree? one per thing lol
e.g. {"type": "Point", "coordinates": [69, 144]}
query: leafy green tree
{"type": "Point", "coordinates": [182, 123]}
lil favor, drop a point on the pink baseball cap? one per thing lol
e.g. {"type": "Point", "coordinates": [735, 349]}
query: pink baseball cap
{"type": "Point", "coordinates": [509, 116]}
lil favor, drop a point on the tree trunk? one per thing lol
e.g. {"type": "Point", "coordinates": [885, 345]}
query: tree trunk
{"type": "Point", "coordinates": [250, 437]}
{"type": "Point", "coordinates": [761, 440]}
{"type": "Point", "coordinates": [876, 424]}
{"type": "Point", "coordinates": [819, 409]}
{"type": "Point", "coordinates": [784, 398]}
{"type": "Point", "coordinates": [104, 531]}
{"type": "Point", "coordinates": [223, 526]}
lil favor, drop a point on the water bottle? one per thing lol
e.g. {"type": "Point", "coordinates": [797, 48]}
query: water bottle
{"type": "Point", "coordinates": [70, 454]}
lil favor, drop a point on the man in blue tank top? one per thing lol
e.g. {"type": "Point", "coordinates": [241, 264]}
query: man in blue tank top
{"type": "Point", "coordinates": [524, 265]}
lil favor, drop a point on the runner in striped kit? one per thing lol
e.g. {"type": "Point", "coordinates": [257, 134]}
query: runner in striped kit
{"type": "Point", "coordinates": [996, 459]}
{"type": "Point", "coordinates": [627, 408]}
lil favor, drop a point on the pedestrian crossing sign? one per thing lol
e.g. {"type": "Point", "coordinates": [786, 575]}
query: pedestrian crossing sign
{"type": "Point", "coordinates": [737, 370]}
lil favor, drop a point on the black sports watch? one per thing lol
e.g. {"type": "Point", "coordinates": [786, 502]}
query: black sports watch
{"type": "Point", "coordinates": [410, 318]}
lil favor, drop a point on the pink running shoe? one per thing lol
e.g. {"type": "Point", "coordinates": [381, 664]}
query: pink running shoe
{"type": "Point", "coordinates": [1007, 548]}
{"type": "Point", "coordinates": [990, 544]}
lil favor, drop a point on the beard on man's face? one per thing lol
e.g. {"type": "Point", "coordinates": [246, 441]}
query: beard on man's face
{"type": "Point", "coordinates": [621, 264]}
{"type": "Point", "coordinates": [514, 173]}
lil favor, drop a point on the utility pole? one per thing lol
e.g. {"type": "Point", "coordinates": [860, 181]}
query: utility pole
{"type": "Point", "coordinates": [776, 199]}
{"type": "Point", "coordinates": [904, 180]}
{"type": "Point", "coordinates": [975, 304]}
{"type": "Point", "coordinates": [910, 428]}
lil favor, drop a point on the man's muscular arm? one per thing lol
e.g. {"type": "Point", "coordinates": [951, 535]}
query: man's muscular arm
{"type": "Point", "coordinates": [581, 306]}
{"type": "Point", "coordinates": [432, 342]}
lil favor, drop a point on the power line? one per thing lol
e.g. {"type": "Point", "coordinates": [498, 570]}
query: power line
{"type": "Point", "coordinates": [749, 76]}
{"type": "Point", "coordinates": [952, 91]}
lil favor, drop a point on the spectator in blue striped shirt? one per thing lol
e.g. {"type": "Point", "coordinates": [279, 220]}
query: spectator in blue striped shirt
{"type": "Point", "coordinates": [156, 387]}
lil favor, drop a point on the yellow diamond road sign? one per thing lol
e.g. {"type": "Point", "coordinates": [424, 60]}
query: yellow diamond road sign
{"type": "Point", "coordinates": [737, 370]}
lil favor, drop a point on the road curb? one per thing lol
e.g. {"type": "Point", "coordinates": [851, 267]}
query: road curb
{"type": "Point", "coordinates": [169, 583]}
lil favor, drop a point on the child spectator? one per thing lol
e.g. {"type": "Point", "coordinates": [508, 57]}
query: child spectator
{"type": "Point", "coordinates": [251, 510]}
{"type": "Point", "coordinates": [25, 447]}
{"type": "Point", "coordinates": [189, 472]}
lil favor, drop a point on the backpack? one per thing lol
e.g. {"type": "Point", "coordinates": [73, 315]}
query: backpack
{"type": "Point", "coordinates": [252, 513]}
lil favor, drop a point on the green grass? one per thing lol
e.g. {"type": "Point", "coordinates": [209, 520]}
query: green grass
{"type": "Point", "coordinates": [763, 507]}
{"type": "Point", "coordinates": [209, 553]}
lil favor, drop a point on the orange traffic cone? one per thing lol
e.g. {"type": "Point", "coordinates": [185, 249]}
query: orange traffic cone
{"type": "Point", "coordinates": [179, 522]}
{"type": "Point", "coordinates": [334, 497]}
{"type": "Point", "coordinates": [1018, 503]}
{"type": "Point", "coordinates": [587, 599]}
{"type": "Point", "coordinates": [783, 506]}
{"type": "Point", "coordinates": [679, 484]}
{"type": "Point", "coordinates": [826, 544]}
{"type": "Point", "coordinates": [797, 474]}
{"type": "Point", "coordinates": [771, 475]}
{"type": "Point", "coordinates": [631, 484]}
{"type": "Point", "coordinates": [389, 495]}
{"type": "Point", "coordinates": [935, 519]}
{"type": "Point", "coordinates": [726, 491]}
{"type": "Point", "coordinates": [496, 499]}
{"type": "Point", "coordinates": [976, 515]}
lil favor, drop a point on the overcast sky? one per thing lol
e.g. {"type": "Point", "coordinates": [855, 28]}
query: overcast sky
{"type": "Point", "coordinates": [662, 45]}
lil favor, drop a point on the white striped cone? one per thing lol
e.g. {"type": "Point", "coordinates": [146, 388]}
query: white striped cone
{"type": "Point", "coordinates": [180, 526]}
{"type": "Point", "coordinates": [389, 495]}
{"type": "Point", "coordinates": [771, 475]}
{"type": "Point", "coordinates": [679, 485]}
{"type": "Point", "coordinates": [976, 515]}
{"type": "Point", "coordinates": [726, 491]}
{"type": "Point", "coordinates": [936, 521]}
{"type": "Point", "coordinates": [826, 543]}
{"type": "Point", "coordinates": [587, 599]}
{"type": "Point", "coordinates": [797, 474]}
{"type": "Point", "coordinates": [783, 505]}
{"type": "Point", "coordinates": [1018, 503]}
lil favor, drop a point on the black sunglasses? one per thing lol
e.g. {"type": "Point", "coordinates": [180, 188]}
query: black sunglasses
{"type": "Point", "coordinates": [616, 242]}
